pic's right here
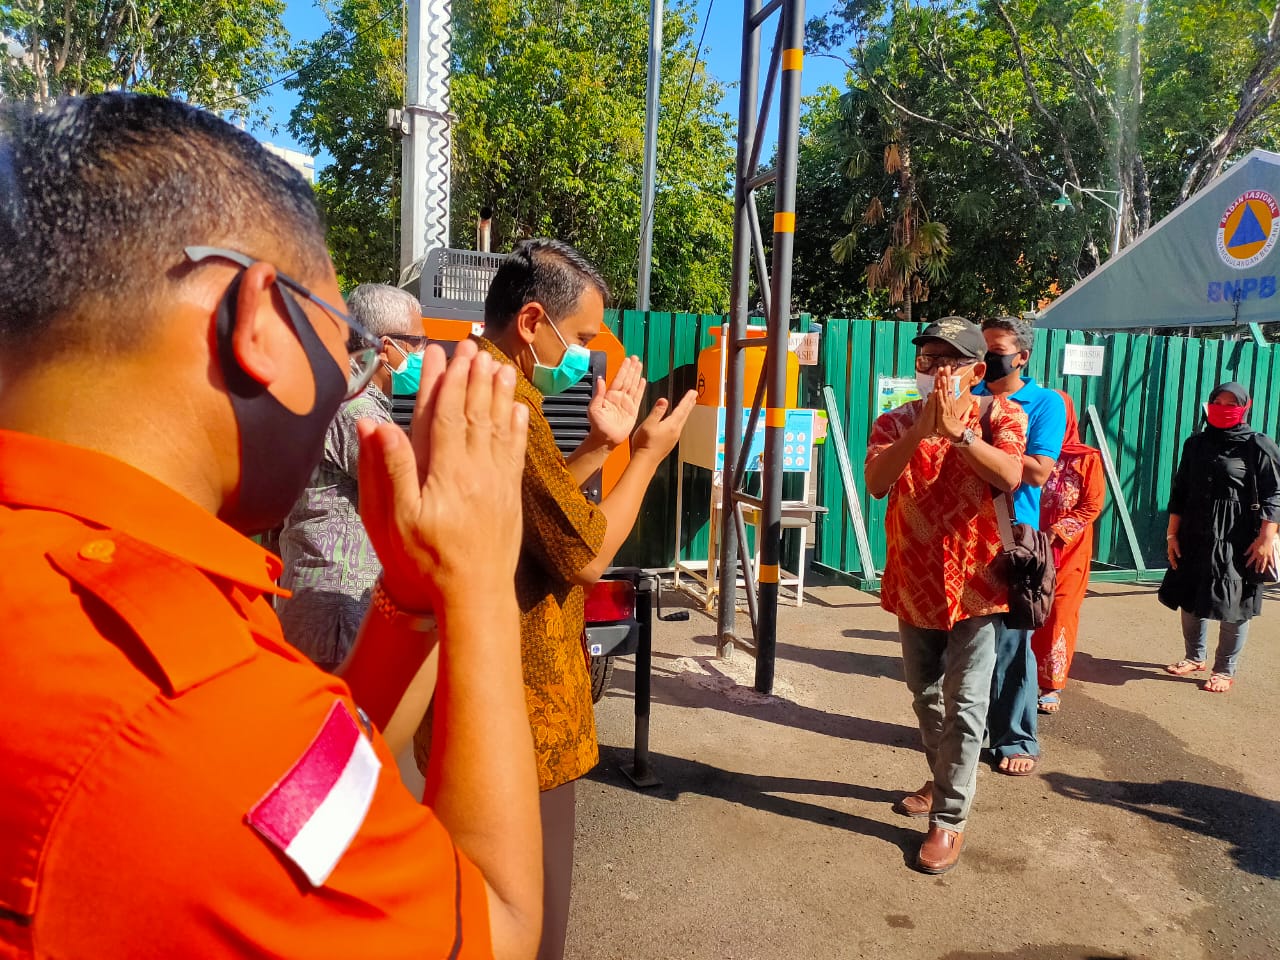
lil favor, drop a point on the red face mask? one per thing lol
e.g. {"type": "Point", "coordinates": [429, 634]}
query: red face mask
{"type": "Point", "coordinates": [1224, 417]}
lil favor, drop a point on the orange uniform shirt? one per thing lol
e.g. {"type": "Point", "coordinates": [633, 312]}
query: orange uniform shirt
{"type": "Point", "coordinates": [167, 760]}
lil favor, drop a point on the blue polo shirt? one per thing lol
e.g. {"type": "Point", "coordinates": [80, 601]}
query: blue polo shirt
{"type": "Point", "coordinates": [1046, 426]}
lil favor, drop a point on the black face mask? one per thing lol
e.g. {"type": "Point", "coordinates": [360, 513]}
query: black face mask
{"type": "Point", "coordinates": [999, 366]}
{"type": "Point", "coordinates": [279, 449]}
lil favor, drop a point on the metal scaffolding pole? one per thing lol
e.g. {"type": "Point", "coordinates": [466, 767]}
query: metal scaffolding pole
{"type": "Point", "coordinates": [739, 309]}
{"type": "Point", "coordinates": [788, 53]}
{"type": "Point", "coordinates": [784, 226]}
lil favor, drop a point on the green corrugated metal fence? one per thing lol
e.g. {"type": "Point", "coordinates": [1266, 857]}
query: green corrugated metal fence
{"type": "Point", "coordinates": [669, 344]}
{"type": "Point", "coordinates": [1148, 399]}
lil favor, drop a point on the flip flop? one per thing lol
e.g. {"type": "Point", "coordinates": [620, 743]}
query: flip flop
{"type": "Point", "coordinates": [1035, 762]}
{"type": "Point", "coordinates": [1049, 703]}
{"type": "Point", "coordinates": [1218, 683]}
{"type": "Point", "coordinates": [1183, 667]}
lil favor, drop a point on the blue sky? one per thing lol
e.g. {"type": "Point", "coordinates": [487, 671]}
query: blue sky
{"type": "Point", "coordinates": [305, 21]}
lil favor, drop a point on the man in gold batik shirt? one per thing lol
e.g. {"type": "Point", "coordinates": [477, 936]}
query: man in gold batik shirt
{"type": "Point", "coordinates": [545, 305]}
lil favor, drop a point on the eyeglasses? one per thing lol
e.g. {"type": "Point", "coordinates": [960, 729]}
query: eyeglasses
{"type": "Point", "coordinates": [929, 362]}
{"type": "Point", "coordinates": [362, 346]}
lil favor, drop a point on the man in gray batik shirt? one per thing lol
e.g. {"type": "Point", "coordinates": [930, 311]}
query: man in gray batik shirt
{"type": "Point", "coordinates": [329, 563]}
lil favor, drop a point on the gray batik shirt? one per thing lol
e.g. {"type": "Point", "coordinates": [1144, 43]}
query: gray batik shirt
{"type": "Point", "coordinates": [329, 563]}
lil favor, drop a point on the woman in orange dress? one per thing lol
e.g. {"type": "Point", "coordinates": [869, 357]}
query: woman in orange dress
{"type": "Point", "coordinates": [1072, 499]}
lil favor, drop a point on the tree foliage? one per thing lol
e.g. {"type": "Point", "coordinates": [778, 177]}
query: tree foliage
{"type": "Point", "coordinates": [1002, 101]}
{"type": "Point", "coordinates": [913, 250]}
{"type": "Point", "coordinates": [549, 101]}
{"type": "Point", "coordinates": [342, 111]}
{"type": "Point", "coordinates": [214, 52]}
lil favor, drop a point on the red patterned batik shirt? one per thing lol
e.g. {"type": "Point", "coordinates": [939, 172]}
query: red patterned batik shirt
{"type": "Point", "coordinates": [941, 524]}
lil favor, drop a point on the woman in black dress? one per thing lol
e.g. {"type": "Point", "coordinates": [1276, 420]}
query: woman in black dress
{"type": "Point", "coordinates": [1223, 515]}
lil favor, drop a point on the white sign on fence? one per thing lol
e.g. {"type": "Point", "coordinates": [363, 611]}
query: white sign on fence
{"type": "Point", "coordinates": [1083, 361]}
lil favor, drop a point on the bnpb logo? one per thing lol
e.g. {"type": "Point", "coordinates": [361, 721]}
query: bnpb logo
{"type": "Point", "coordinates": [1249, 229]}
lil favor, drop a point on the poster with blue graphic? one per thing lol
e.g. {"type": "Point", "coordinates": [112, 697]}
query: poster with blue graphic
{"type": "Point", "coordinates": [797, 441]}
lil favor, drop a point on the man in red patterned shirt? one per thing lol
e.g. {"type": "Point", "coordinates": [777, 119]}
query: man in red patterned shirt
{"type": "Point", "coordinates": [937, 459]}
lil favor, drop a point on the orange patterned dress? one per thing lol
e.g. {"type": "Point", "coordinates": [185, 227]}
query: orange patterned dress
{"type": "Point", "coordinates": [563, 532]}
{"type": "Point", "coordinates": [941, 525]}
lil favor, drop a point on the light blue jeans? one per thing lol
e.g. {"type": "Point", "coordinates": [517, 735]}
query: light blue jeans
{"type": "Point", "coordinates": [1231, 638]}
{"type": "Point", "coordinates": [1015, 692]}
{"type": "Point", "coordinates": [949, 675]}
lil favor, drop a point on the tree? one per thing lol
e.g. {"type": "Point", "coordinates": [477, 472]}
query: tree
{"type": "Point", "coordinates": [1154, 97]}
{"type": "Point", "coordinates": [342, 111]}
{"type": "Point", "coordinates": [217, 53]}
{"type": "Point", "coordinates": [1005, 100]}
{"type": "Point", "coordinates": [819, 284]}
{"type": "Point", "coordinates": [549, 100]}
{"type": "Point", "coordinates": [915, 250]}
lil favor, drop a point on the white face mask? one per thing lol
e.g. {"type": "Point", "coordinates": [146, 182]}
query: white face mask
{"type": "Point", "coordinates": [926, 385]}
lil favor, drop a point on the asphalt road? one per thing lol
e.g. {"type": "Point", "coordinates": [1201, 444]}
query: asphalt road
{"type": "Point", "coordinates": [1150, 830]}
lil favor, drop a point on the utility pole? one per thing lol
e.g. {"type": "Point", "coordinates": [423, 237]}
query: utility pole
{"type": "Point", "coordinates": [427, 127]}
{"type": "Point", "coordinates": [650, 153]}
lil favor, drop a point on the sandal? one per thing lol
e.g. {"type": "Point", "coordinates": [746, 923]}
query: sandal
{"type": "Point", "coordinates": [1035, 762]}
{"type": "Point", "coordinates": [1183, 667]}
{"type": "Point", "coordinates": [1050, 702]}
{"type": "Point", "coordinates": [1218, 683]}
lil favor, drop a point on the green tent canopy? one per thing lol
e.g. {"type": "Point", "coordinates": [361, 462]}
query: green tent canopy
{"type": "Point", "coordinates": [1212, 261]}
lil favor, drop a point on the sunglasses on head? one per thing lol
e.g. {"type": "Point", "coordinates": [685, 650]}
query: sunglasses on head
{"type": "Point", "coordinates": [363, 347]}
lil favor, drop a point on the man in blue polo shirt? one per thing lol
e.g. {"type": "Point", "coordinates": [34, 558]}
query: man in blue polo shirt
{"type": "Point", "coordinates": [1011, 720]}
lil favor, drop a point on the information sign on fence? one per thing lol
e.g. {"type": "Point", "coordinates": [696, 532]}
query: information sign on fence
{"type": "Point", "coordinates": [797, 452]}
{"type": "Point", "coordinates": [893, 392]}
{"type": "Point", "coordinates": [1082, 360]}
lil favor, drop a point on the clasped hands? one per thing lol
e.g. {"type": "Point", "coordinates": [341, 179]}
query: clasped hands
{"type": "Point", "coordinates": [943, 414]}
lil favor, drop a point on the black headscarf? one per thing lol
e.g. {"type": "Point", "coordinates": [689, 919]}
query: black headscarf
{"type": "Point", "coordinates": [1240, 431]}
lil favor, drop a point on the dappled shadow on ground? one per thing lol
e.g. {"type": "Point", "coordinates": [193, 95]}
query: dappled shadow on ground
{"type": "Point", "coordinates": [1249, 824]}
{"type": "Point", "coordinates": [850, 662]}
{"type": "Point", "coordinates": [681, 777]}
{"type": "Point", "coordinates": [1116, 673]}
{"type": "Point", "coordinates": [713, 690]}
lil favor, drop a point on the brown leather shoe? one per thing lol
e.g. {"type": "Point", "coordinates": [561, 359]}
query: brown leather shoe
{"type": "Point", "coordinates": [940, 850]}
{"type": "Point", "coordinates": [918, 804]}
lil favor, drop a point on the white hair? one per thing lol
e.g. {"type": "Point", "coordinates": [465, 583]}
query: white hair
{"type": "Point", "coordinates": [384, 310]}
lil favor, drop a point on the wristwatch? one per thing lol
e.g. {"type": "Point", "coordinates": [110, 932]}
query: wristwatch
{"type": "Point", "coordinates": [966, 439]}
{"type": "Point", "coordinates": [387, 609]}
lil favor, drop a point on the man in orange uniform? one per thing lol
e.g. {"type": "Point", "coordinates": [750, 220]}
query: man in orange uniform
{"type": "Point", "coordinates": [177, 780]}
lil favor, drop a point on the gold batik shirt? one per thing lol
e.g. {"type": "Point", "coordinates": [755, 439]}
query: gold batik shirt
{"type": "Point", "coordinates": [563, 532]}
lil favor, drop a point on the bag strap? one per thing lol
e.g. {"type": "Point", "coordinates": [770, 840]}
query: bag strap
{"type": "Point", "coordinates": [1251, 466]}
{"type": "Point", "coordinates": [999, 499]}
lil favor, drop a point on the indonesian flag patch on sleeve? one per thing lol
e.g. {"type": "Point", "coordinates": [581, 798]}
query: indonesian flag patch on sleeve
{"type": "Point", "coordinates": [316, 809]}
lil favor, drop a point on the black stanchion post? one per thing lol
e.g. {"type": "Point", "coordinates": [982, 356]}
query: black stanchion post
{"type": "Point", "coordinates": [639, 772]}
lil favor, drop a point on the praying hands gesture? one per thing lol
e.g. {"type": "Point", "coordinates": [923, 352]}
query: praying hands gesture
{"type": "Point", "coordinates": [613, 411]}
{"type": "Point", "coordinates": [943, 414]}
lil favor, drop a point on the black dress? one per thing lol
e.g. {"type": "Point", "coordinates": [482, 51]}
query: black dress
{"type": "Point", "coordinates": [1213, 495]}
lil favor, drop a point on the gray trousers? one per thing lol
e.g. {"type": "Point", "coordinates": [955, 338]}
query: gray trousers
{"type": "Point", "coordinates": [949, 675]}
{"type": "Point", "coordinates": [1231, 638]}
{"type": "Point", "coordinates": [558, 827]}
